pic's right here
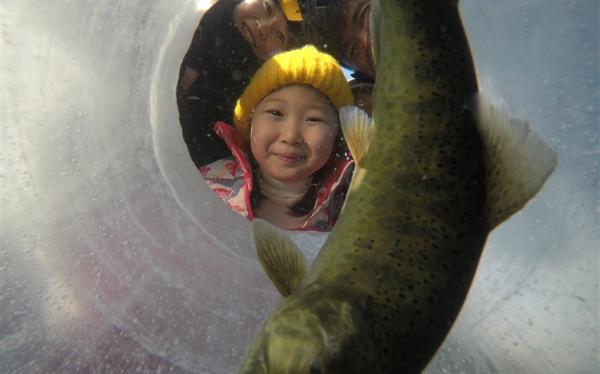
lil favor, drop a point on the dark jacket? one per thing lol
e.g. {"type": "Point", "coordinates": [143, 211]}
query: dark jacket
{"type": "Point", "coordinates": [225, 64]}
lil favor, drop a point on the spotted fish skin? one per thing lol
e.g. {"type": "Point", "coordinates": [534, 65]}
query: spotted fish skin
{"type": "Point", "coordinates": [389, 282]}
{"type": "Point", "coordinates": [414, 229]}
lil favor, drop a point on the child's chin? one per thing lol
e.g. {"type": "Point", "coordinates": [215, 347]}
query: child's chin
{"type": "Point", "coordinates": [290, 178]}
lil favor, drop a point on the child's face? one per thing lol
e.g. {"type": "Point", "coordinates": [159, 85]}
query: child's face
{"type": "Point", "coordinates": [356, 43]}
{"type": "Point", "coordinates": [293, 133]}
{"type": "Point", "coordinates": [263, 25]}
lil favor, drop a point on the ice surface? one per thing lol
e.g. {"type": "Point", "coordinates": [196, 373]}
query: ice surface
{"type": "Point", "coordinates": [114, 255]}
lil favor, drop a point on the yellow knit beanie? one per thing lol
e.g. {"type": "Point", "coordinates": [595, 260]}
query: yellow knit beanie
{"type": "Point", "coordinates": [305, 65]}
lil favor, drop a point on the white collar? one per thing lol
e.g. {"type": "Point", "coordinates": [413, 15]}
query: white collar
{"type": "Point", "coordinates": [284, 193]}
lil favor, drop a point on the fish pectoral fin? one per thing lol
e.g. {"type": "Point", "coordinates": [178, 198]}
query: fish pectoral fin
{"type": "Point", "coordinates": [279, 256]}
{"type": "Point", "coordinates": [518, 161]}
{"type": "Point", "coordinates": [358, 131]}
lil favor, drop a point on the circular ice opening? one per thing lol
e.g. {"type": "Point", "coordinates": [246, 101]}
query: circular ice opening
{"type": "Point", "coordinates": [227, 228]}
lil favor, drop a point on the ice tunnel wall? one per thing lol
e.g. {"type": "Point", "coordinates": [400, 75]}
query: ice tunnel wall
{"type": "Point", "coordinates": [116, 257]}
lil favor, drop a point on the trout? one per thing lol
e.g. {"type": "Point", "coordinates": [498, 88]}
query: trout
{"type": "Point", "coordinates": [436, 171]}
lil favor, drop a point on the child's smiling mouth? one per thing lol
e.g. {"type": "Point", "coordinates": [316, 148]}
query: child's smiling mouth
{"type": "Point", "coordinates": [289, 158]}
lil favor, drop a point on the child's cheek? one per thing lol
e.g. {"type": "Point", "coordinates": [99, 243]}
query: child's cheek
{"type": "Point", "coordinates": [325, 145]}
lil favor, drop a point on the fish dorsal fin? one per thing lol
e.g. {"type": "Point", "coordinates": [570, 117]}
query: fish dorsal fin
{"type": "Point", "coordinates": [518, 161]}
{"type": "Point", "coordinates": [279, 256]}
{"type": "Point", "coordinates": [358, 131]}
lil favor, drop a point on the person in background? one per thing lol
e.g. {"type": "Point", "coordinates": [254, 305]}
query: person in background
{"type": "Point", "coordinates": [233, 38]}
{"type": "Point", "coordinates": [348, 33]}
{"type": "Point", "coordinates": [341, 28]}
{"type": "Point", "coordinates": [287, 163]}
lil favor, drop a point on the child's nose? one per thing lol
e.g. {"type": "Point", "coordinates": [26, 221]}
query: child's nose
{"type": "Point", "coordinates": [290, 132]}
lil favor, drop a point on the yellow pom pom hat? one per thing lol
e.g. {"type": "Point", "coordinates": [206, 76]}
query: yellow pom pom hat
{"type": "Point", "coordinates": [305, 65]}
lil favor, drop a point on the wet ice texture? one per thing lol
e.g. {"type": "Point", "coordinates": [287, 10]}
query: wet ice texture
{"type": "Point", "coordinates": [114, 256]}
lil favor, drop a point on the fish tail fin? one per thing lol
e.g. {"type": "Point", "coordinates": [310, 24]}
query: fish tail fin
{"type": "Point", "coordinates": [518, 161]}
{"type": "Point", "coordinates": [279, 256]}
{"type": "Point", "coordinates": [358, 130]}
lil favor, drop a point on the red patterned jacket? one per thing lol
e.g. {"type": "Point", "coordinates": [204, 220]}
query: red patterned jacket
{"type": "Point", "coordinates": [231, 179]}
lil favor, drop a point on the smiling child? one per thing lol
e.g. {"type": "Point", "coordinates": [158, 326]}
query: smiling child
{"type": "Point", "coordinates": [287, 164]}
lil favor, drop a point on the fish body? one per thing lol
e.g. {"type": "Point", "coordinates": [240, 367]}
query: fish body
{"type": "Point", "coordinates": [390, 280]}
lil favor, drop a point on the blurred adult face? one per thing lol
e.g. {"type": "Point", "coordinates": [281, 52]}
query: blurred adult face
{"type": "Point", "coordinates": [263, 25]}
{"type": "Point", "coordinates": [356, 43]}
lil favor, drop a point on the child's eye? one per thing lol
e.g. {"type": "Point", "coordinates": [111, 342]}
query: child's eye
{"type": "Point", "coordinates": [316, 119]}
{"type": "Point", "coordinates": [275, 113]}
